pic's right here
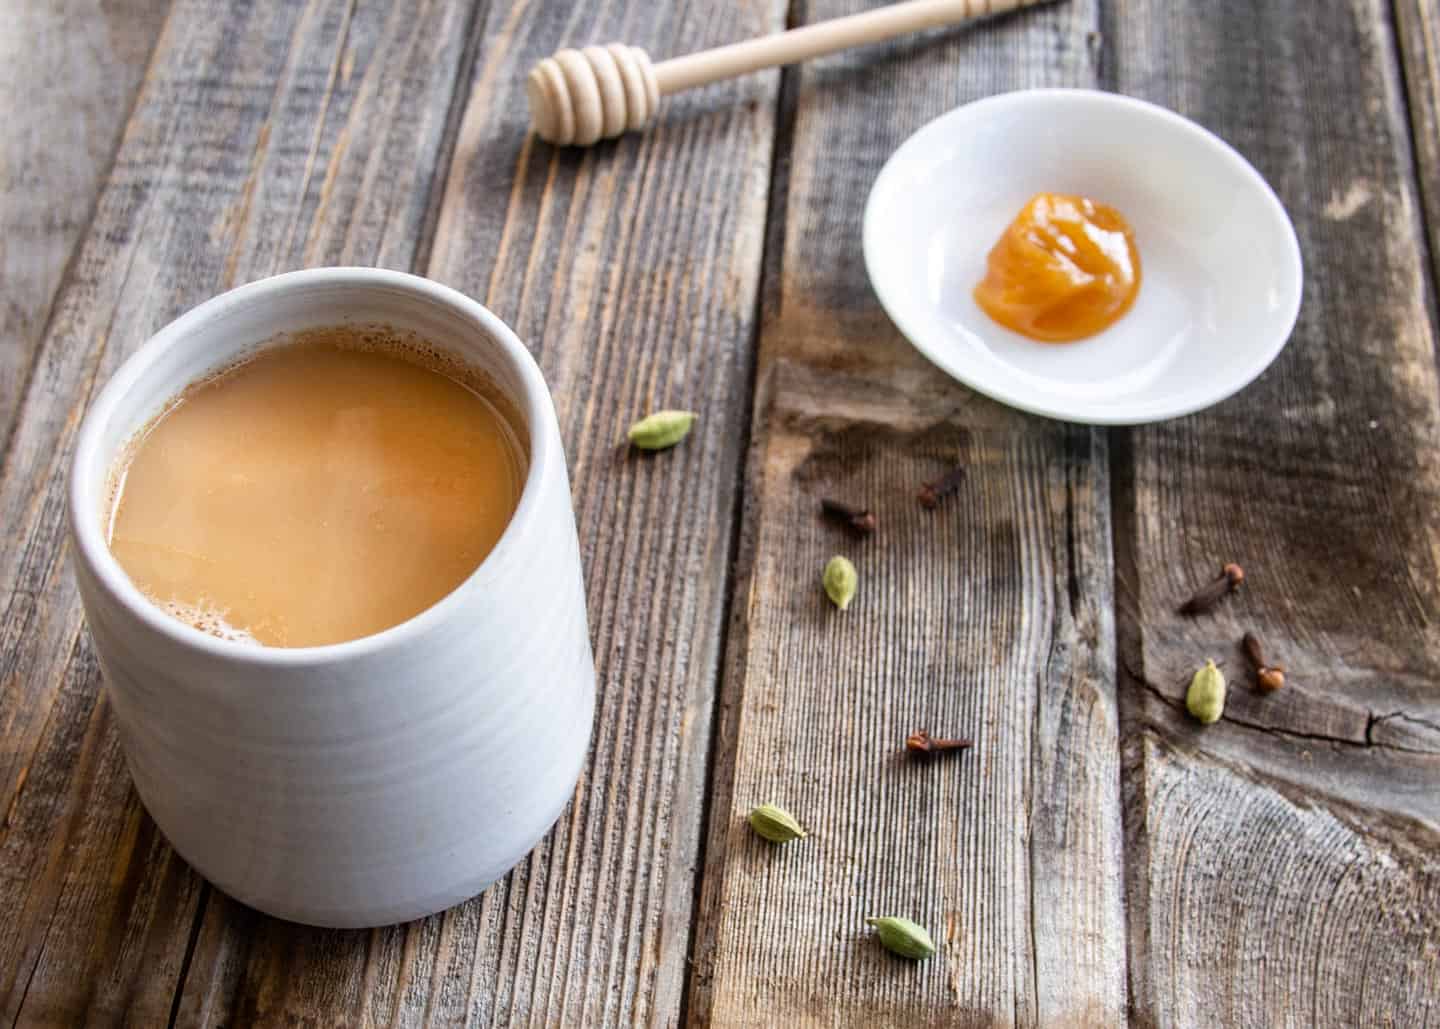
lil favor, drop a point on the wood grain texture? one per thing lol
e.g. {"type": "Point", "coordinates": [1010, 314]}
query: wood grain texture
{"type": "Point", "coordinates": [1287, 853]}
{"type": "Point", "coordinates": [1280, 867]}
{"type": "Point", "coordinates": [1281, 911]}
{"type": "Point", "coordinates": [630, 269]}
{"type": "Point", "coordinates": [264, 138]}
{"type": "Point", "coordinates": [69, 70]}
{"type": "Point", "coordinates": [988, 618]}
{"type": "Point", "coordinates": [1417, 24]}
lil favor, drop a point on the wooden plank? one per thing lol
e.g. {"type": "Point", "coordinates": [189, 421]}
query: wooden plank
{"type": "Point", "coordinates": [1275, 910]}
{"type": "Point", "coordinates": [264, 138]}
{"type": "Point", "coordinates": [631, 270]}
{"type": "Point", "coordinates": [987, 618]}
{"type": "Point", "coordinates": [1282, 861]}
{"type": "Point", "coordinates": [69, 70]}
{"type": "Point", "coordinates": [1417, 24]}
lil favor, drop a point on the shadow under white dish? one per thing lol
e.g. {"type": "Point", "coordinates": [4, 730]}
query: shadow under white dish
{"type": "Point", "coordinates": [1220, 263]}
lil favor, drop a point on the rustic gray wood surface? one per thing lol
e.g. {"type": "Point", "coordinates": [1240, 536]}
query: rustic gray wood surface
{"type": "Point", "coordinates": [1097, 858]}
{"type": "Point", "coordinates": [69, 70]}
{"type": "Point", "coordinates": [988, 618]}
{"type": "Point", "coordinates": [1293, 845]}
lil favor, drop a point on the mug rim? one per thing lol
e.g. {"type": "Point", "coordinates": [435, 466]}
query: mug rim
{"type": "Point", "coordinates": [533, 402]}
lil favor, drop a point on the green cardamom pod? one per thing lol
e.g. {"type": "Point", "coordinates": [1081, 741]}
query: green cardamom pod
{"type": "Point", "coordinates": [1205, 699]}
{"type": "Point", "coordinates": [776, 824]}
{"type": "Point", "coordinates": [902, 936]}
{"type": "Point", "coordinates": [661, 429]}
{"type": "Point", "coordinates": [840, 580]}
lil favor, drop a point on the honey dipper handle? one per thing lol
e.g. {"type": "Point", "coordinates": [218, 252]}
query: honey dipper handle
{"type": "Point", "coordinates": [827, 37]}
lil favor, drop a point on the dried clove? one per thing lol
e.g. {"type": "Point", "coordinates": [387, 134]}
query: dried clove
{"type": "Point", "coordinates": [921, 742]}
{"type": "Point", "coordinates": [862, 523]}
{"type": "Point", "coordinates": [1207, 596]}
{"type": "Point", "coordinates": [1267, 677]}
{"type": "Point", "coordinates": [933, 492]}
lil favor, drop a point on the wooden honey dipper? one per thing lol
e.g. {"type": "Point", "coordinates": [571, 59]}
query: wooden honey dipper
{"type": "Point", "coordinates": [581, 96]}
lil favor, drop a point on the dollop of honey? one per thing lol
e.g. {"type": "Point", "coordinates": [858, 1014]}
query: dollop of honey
{"type": "Point", "coordinates": [1065, 268]}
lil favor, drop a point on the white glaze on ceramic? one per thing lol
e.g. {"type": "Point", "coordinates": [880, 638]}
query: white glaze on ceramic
{"type": "Point", "coordinates": [1221, 265]}
{"type": "Point", "coordinates": [373, 781]}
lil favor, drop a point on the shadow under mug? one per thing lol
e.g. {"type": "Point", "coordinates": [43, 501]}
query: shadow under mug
{"type": "Point", "coordinates": [381, 779]}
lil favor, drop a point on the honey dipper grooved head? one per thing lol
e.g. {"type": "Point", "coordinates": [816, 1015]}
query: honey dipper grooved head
{"type": "Point", "coordinates": [581, 96]}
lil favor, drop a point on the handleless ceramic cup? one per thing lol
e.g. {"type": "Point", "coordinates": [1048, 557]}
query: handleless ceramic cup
{"type": "Point", "coordinates": [381, 779]}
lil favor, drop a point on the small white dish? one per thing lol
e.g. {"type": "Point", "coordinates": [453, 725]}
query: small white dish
{"type": "Point", "coordinates": [1220, 263]}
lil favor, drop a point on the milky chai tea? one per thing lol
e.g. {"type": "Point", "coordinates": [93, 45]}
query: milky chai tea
{"type": "Point", "coordinates": [331, 485]}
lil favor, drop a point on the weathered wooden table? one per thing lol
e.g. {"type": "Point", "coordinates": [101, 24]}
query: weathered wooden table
{"type": "Point", "coordinates": [1097, 857]}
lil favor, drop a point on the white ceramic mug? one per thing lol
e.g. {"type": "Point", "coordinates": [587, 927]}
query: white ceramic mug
{"type": "Point", "coordinates": [381, 779]}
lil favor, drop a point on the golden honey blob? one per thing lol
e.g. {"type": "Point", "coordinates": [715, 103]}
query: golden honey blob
{"type": "Point", "coordinates": [1065, 268]}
